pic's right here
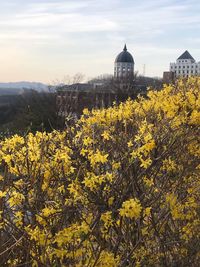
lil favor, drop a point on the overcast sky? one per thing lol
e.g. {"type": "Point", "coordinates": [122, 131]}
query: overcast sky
{"type": "Point", "coordinates": [44, 40]}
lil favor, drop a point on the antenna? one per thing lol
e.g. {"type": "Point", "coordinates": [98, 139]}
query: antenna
{"type": "Point", "coordinates": [144, 69]}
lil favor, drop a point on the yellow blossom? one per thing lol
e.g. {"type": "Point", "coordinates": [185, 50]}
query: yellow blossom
{"type": "Point", "coordinates": [2, 194]}
{"type": "Point", "coordinates": [131, 209]}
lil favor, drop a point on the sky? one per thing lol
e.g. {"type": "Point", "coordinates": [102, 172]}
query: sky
{"type": "Point", "coordinates": [48, 40]}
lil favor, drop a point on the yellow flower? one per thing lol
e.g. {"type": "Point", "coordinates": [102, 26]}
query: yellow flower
{"type": "Point", "coordinates": [148, 182]}
{"type": "Point", "coordinates": [107, 259]}
{"type": "Point", "coordinates": [131, 209]}
{"type": "Point", "coordinates": [98, 157]}
{"type": "Point", "coordinates": [147, 211]}
{"type": "Point", "coordinates": [110, 201]}
{"type": "Point", "coordinates": [87, 141]}
{"type": "Point", "coordinates": [130, 143]}
{"type": "Point", "coordinates": [46, 212]}
{"type": "Point", "coordinates": [106, 135]}
{"type": "Point", "coordinates": [2, 194]}
{"type": "Point", "coordinates": [16, 198]}
{"type": "Point", "coordinates": [107, 219]}
{"type": "Point", "coordinates": [145, 163]}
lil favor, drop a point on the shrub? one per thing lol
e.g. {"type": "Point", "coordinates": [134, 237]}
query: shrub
{"type": "Point", "coordinates": [119, 188]}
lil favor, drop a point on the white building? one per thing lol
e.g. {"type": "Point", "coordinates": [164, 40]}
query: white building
{"type": "Point", "coordinates": [124, 65]}
{"type": "Point", "coordinates": [185, 66]}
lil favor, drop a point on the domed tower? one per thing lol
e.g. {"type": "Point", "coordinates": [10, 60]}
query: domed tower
{"type": "Point", "coordinates": [124, 66]}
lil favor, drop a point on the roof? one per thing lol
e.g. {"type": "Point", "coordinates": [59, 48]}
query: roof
{"type": "Point", "coordinates": [186, 55]}
{"type": "Point", "coordinates": [124, 56]}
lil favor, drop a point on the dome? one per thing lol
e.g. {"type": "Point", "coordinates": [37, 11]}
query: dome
{"type": "Point", "coordinates": [124, 56]}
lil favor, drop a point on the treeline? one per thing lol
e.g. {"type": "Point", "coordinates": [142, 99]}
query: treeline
{"type": "Point", "coordinates": [31, 111]}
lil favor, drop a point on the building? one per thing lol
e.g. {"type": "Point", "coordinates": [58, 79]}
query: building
{"type": "Point", "coordinates": [168, 76]}
{"type": "Point", "coordinates": [124, 66]}
{"type": "Point", "coordinates": [102, 91]}
{"type": "Point", "coordinates": [185, 66]}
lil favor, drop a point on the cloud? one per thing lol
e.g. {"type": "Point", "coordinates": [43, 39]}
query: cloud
{"type": "Point", "coordinates": [73, 22]}
{"type": "Point", "coordinates": [87, 34]}
{"type": "Point", "coordinates": [141, 20]}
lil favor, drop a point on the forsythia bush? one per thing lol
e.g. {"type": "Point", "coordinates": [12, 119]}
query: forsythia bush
{"type": "Point", "coordinates": [119, 188]}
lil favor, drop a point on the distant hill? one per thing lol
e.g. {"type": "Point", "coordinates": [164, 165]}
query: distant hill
{"type": "Point", "coordinates": [13, 88]}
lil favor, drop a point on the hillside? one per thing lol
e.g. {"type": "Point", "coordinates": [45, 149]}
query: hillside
{"type": "Point", "coordinates": [13, 88]}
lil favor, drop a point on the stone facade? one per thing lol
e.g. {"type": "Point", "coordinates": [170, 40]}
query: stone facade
{"type": "Point", "coordinates": [123, 70]}
{"type": "Point", "coordinates": [185, 66]}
